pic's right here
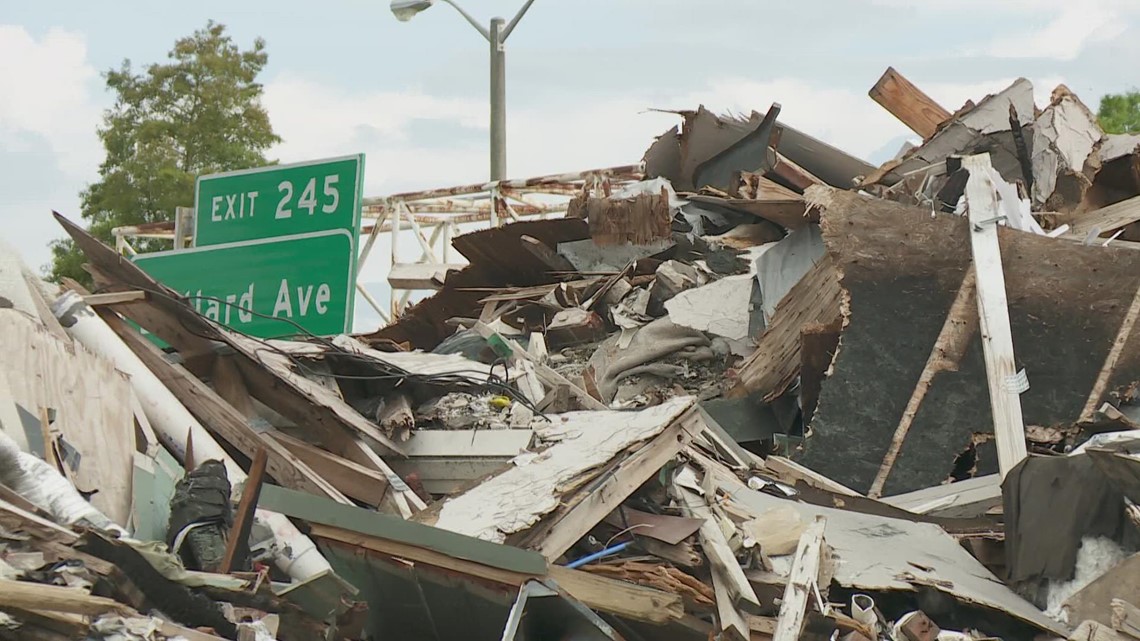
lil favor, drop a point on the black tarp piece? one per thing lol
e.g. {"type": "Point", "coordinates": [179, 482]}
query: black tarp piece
{"type": "Point", "coordinates": [901, 268]}
{"type": "Point", "coordinates": [200, 516]}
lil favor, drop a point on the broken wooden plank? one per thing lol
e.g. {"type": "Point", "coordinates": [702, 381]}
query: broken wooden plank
{"type": "Point", "coordinates": [348, 477]}
{"type": "Point", "coordinates": [993, 314]}
{"type": "Point", "coordinates": [218, 416]}
{"type": "Point", "coordinates": [618, 597]}
{"type": "Point", "coordinates": [959, 328]}
{"type": "Point", "coordinates": [1104, 221]}
{"type": "Point", "coordinates": [230, 386]}
{"type": "Point", "coordinates": [37, 596]}
{"type": "Point", "coordinates": [1126, 618]}
{"type": "Point", "coordinates": [521, 496]}
{"type": "Point", "coordinates": [729, 581]}
{"type": "Point", "coordinates": [801, 581]}
{"type": "Point", "coordinates": [792, 472]}
{"type": "Point", "coordinates": [793, 174]}
{"type": "Point", "coordinates": [267, 373]}
{"type": "Point", "coordinates": [772, 368]}
{"type": "Point", "coordinates": [732, 621]}
{"type": "Point", "coordinates": [571, 525]}
{"type": "Point", "coordinates": [1110, 361]}
{"type": "Point", "coordinates": [114, 298]}
{"type": "Point", "coordinates": [237, 548]}
{"type": "Point", "coordinates": [714, 544]}
{"type": "Point", "coordinates": [908, 103]}
{"type": "Point", "coordinates": [39, 301]}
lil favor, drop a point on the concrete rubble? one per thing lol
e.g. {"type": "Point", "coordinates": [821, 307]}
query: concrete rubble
{"type": "Point", "coordinates": [767, 391]}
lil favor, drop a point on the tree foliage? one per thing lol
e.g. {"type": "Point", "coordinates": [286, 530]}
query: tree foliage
{"type": "Point", "coordinates": [1120, 113]}
{"type": "Point", "coordinates": [198, 113]}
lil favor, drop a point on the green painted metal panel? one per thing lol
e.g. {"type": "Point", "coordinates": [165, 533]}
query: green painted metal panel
{"type": "Point", "coordinates": [279, 200]}
{"type": "Point", "coordinates": [263, 287]}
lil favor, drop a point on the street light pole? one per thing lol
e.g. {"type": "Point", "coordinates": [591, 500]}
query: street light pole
{"type": "Point", "coordinates": [497, 37]}
{"type": "Point", "coordinates": [498, 100]}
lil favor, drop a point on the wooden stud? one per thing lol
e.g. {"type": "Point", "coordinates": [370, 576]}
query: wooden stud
{"type": "Point", "coordinates": [352, 479]}
{"type": "Point", "coordinates": [237, 548]}
{"type": "Point", "coordinates": [114, 298]}
{"type": "Point", "coordinates": [993, 314]}
{"type": "Point", "coordinates": [908, 103]}
{"type": "Point", "coordinates": [800, 590]}
{"type": "Point", "coordinates": [37, 596]}
{"type": "Point", "coordinates": [1111, 359]}
{"type": "Point", "coordinates": [218, 416]}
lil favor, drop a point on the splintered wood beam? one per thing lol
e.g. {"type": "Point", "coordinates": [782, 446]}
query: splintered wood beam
{"type": "Point", "coordinates": [1101, 385]}
{"type": "Point", "coordinates": [1105, 220]}
{"type": "Point", "coordinates": [353, 479]}
{"type": "Point", "coordinates": [114, 298]}
{"type": "Point", "coordinates": [36, 596]}
{"type": "Point", "coordinates": [237, 548]}
{"type": "Point", "coordinates": [908, 103]}
{"type": "Point", "coordinates": [219, 416]}
{"type": "Point", "coordinates": [799, 590]}
{"type": "Point", "coordinates": [730, 583]}
{"type": "Point", "coordinates": [793, 174]}
{"type": "Point", "coordinates": [993, 314]}
{"type": "Point", "coordinates": [959, 327]}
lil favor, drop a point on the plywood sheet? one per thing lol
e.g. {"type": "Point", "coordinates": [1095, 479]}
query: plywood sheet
{"type": "Point", "coordinates": [516, 499]}
{"type": "Point", "coordinates": [92, 401]}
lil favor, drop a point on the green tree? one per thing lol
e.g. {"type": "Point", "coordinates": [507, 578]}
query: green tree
{"type": "Point", "coordinates": [1120, 113]}
{"type": "Point", "coordinates": [198, 113]}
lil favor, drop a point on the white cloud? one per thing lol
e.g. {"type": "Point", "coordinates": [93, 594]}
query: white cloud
{"type": "Point", "coordinates": [1065, 35]}
{"type": "Point", "coordinates": [48, 117]}
{"type": "Point", "coordinates": [1041, 29]}
{"type": "Point", "coordinates": [47, 92]}
{"type": "Point", "coordinates": [315, 121]}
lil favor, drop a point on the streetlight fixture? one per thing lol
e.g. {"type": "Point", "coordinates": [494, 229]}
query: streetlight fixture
{"type": "Point", "coordinates": [405, 10]}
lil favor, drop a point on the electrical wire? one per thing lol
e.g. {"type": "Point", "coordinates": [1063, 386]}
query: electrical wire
{"type": "Point", "coordinates": [462, 380]}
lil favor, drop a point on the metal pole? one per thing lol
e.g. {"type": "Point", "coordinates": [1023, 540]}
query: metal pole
{"type": "Point", "coordinates": [498, 101]}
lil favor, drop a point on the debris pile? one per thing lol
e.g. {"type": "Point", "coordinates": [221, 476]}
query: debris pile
{"type": "Point", "coordinates": [767, 392]}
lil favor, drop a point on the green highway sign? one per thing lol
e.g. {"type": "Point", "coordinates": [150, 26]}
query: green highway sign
{"type": "Point", "coordinates": [279, 200]}
{"type": "Point", "coordinates": [255, 287]}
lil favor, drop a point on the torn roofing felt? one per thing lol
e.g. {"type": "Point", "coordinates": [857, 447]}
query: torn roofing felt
{"type": "Point", "coordinates": [901, 268]}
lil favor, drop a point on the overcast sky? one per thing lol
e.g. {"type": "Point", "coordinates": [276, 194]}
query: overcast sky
{"type": "Point", "coordinates": [345, 76]}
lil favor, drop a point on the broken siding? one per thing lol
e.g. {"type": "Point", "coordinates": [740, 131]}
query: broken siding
{"type": "Point", "coordinates": [516, 499]}
{"type": "Point", "coordinates": [901, 269]}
